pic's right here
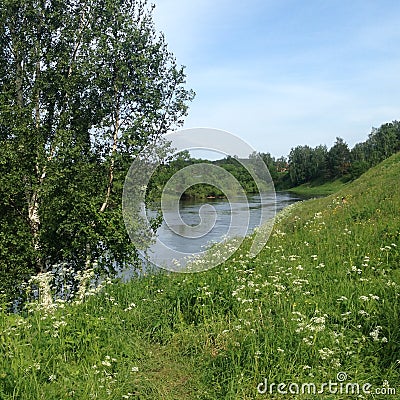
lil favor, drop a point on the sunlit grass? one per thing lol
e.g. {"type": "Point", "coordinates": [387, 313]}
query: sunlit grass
{"type": "Point", "coordinates": [321, 188]}
{"type": "Point", "coordinates": [321, 298]}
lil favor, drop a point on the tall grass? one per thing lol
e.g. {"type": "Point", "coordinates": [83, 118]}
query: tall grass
{"type": "Point", "coordinates": [321, 298]}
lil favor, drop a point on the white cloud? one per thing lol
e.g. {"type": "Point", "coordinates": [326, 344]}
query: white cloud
{"type": "Point", "coordinates": [331, 76]}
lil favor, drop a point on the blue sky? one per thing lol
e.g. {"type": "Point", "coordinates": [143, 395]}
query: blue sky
{"type": "Point", "coordinates": [284, 73]}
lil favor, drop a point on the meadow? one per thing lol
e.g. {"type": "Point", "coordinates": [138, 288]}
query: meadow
{"type": "Point", "coordinates": [320, 187]}
{"type": "Point", "coordinates": [320, 303]}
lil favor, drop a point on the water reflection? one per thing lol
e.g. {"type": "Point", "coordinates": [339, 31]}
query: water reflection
{"type": "Point", "coordinates": [220, 218]}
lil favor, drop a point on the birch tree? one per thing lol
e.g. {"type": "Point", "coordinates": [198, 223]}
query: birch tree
{"type": "Point", "coordinates": [85, 85]}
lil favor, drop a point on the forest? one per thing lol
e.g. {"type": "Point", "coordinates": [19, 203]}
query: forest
{"type": "Point", "coordinates": [303, 164]}
{"type": "Point", "coordinates": [306, 164]}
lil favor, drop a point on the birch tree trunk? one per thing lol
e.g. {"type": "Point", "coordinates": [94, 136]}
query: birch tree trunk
{"type": "Point", "coordinates": [85, 86]}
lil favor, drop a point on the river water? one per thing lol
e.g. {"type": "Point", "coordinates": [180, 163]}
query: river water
{"type": "Point", "coordinates": [221, 219]}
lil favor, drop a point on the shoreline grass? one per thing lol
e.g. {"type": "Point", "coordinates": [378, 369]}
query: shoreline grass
{"type": "Point", "coordinates": [318, 188]}
{"type": "Point", "coordinates": [321, 298]}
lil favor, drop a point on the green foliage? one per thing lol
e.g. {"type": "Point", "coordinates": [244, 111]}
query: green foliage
{"type": "Point", "coordinates": [306, 164]}
{"type": "Point", "coordinates": [322, 297]}
{"type": "Point", "coordinates": [320, 187]}
{"type": "Point", "coordinates": [310, 167]}
{"type": "Point", "coordinates": [381, 144]}
{"type": "Point", "coordinates": [274, 166]}
{"type": "Point", "coordinates": [200, 191]}
{"type": "Point", "coordinates": [338, 158]}
{"type": "Point", "coordinates": [85, 86]}
{"type": "Point", "coordinates": [317, 165]}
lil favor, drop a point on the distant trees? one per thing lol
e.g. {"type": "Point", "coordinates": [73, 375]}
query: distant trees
{"type": "Point", "coordinates": [381, 143]}
{"type": "Point", "coordinates": [307, 164]}
{"type": "Point", "coordinates": [300, 164]}
{"type": "Point", "coordinates": [183, 159]}
{"type": "Point", "coordinates": [358, 157]}
{"type": "Point", "coordinates": [338, 159]}
{"type": "Point", "coordinates": [273, 165]}
{"type": "Point", "coordinates": [304, 163]}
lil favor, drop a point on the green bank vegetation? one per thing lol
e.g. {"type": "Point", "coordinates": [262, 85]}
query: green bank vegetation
{"type": "Point", "coordinates": [321, 298]}
{"type": "Point", "coordinates": [309, 171]}
{"type": "Point", "coordinates": [320, 188]}
{"type": "Point", "coordinates": [235, 167]}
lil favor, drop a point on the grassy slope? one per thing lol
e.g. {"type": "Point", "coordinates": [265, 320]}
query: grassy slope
{"type": "Point", "coordinates": [308, 306]}
{"type": "Point", "coordinates": [318, 188]}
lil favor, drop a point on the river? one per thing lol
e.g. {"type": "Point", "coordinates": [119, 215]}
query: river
{"type": "Point", "coordinates": [224, 219]}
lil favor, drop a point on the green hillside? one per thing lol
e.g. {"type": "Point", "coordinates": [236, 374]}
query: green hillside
{"type": "Point", "coordinates": [322, 298]}
{"type": "Point", "coordinates": [320, 188]}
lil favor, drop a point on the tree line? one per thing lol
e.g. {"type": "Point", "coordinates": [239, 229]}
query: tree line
{"type": "Point", "coordinates": [305, 164]}
{"type": "Point", "coordinates": [230, 164]}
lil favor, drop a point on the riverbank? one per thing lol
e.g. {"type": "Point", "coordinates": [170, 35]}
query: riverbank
{"type": "Point", "coordinates": [322, 298]}
{"type": "Point", "coordinates": [318, 188]}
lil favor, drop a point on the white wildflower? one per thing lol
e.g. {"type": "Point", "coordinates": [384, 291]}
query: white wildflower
{"type": "Point", "coordinates": [325, 353]}
{"type": "Point", "coordinates": [375, 333]}
{"type": "Point", "coordinates": [280, 350]}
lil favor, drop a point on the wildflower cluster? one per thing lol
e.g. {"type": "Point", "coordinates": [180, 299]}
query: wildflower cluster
{"type": "Point", "coordinates": [48, 292]}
